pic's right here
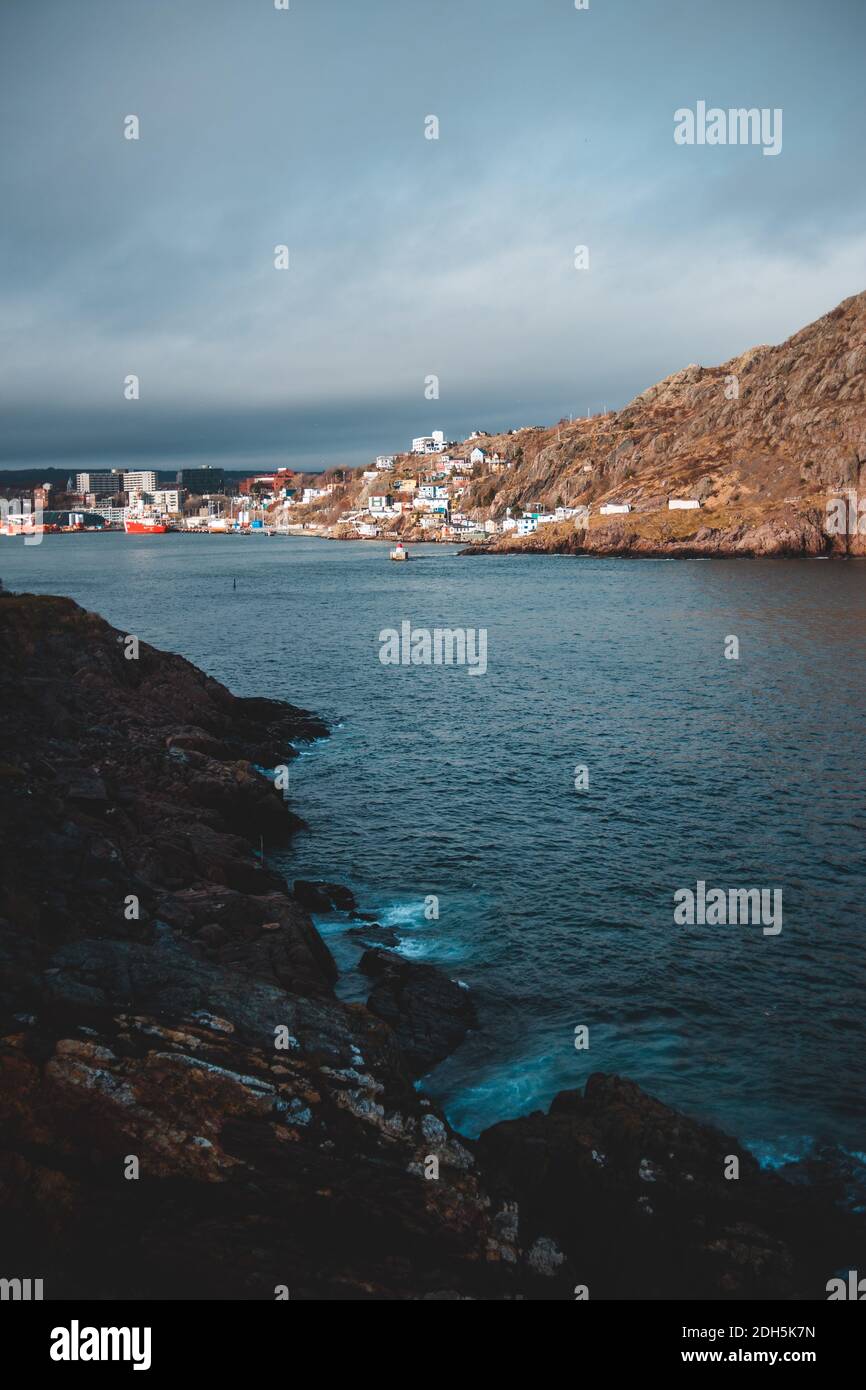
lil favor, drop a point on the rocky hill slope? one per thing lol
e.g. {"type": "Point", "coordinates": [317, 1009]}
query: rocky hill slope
{"type": "Point", "coordinates": [762, 442]}
{"type": "Point", "coordinates": [188, 1111]}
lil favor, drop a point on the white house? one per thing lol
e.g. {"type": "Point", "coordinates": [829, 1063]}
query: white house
{"type": "Point", "coordinates": [385, 461]}
{"type": "Point", "coordinates": [429, 443]}
{"type": "Point", "coordinates": [688, 504]}
{"type": "Point", "coordinates": [526, 525]}
{"type": "Point", "coordinates": [477, 455]}
{"type": "Point", "coordinates": [380, 501]}
{"type": "Point", "coordinates": [612, 508]}
{"type": "Point", "coordinates": [368, 528]}
{"type": "Point", "coordinates": [312, 494]}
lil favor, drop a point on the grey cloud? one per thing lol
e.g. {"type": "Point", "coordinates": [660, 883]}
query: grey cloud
{"type": "Point", "coordinates": [409, 256]}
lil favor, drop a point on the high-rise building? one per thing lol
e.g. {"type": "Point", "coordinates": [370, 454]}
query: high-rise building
{"type": "Point", "coordinates": [139, 481]}
{"type": "Point", "coordinates": [198, 481]}
{"type": "Point", "coordinates": [103, 484]}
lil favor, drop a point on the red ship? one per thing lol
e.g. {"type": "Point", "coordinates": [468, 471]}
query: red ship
{"type": "Point", "coordinates": [143, 526]}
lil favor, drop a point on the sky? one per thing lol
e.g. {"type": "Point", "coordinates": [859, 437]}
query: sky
{"type": "Point", "coordinates": [408, 257]}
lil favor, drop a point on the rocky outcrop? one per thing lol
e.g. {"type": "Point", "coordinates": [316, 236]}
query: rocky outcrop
{"type": "Point", "coordinates": [187, 1110]}
{"type": "Point", "coordinates": [429, 1014]}
{"type": "Point", "coordinates": [372, 934]}
{"type": "Point", "coordinates": [780, 536]}
{"type": "Point", "coordinates": [651, 1204]}
{"type": "Point", "coordinates": [323, 897]}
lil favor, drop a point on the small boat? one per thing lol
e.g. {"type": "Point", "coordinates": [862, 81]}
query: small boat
{"type": "Point", "coordinates": [399, 552]}
{"type": "Point", "coordinates": [143, 526]}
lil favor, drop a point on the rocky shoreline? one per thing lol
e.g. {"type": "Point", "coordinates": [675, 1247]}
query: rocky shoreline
{"type": "Point", "coordinates": [788, 538]}
{"type": "Point", "coordinates": [188, 1111]}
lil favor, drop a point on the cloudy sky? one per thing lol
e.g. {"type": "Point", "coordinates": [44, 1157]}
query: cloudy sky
{"type": "Point", "coordinates": [408, 257]}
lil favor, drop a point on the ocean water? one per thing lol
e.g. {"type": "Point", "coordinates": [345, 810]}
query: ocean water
{"type": "Point", "coordinates": [556, 905]}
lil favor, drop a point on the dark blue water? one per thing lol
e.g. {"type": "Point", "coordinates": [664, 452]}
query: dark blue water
{"type": "Point", "coordinates": [556, 907]}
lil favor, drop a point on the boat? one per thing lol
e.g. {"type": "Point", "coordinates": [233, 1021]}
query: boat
{"type": "Point", "coordinates": [143, 526]}
{"type": "Point", "coordinates": [399, 552]}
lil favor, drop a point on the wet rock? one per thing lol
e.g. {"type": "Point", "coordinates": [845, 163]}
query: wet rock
{"type": "Point", "coordinates": [375, 935]}
{"type": "Point", "coordinates": [319, 896]}
{"type": "Point", "coordinates": [429, 1013]}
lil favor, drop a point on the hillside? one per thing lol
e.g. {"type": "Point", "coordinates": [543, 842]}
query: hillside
{"type": "Point", "coordinates": [761, 442]}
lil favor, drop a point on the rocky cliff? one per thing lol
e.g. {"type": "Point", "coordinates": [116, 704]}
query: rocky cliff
{"type": "Point", "coordinates": [762, 442]}
{"type": "Point", "coordinates": [187, 1110]}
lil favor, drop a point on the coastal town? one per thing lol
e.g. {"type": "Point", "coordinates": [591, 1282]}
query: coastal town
{"type": "Point", "coordinates": [429, 493]}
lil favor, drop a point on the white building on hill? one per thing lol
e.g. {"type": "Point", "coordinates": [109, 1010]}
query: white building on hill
{"type": "Point", "coordinates": [429, 443]}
